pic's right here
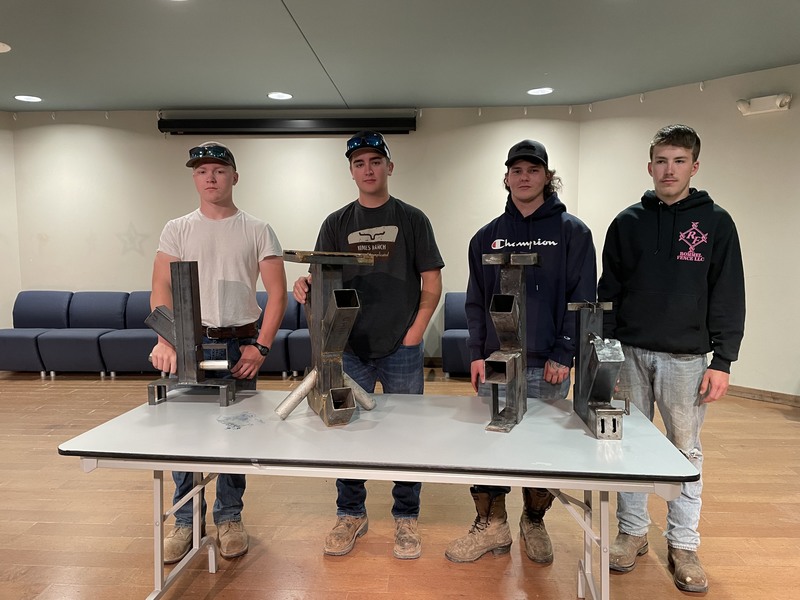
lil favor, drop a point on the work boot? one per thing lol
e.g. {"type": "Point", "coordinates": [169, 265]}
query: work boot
{"type": "Point", "coordinates": [177, 544]}
{"type": "Point", "coordinates": [624, 550]}
{"type": "Point", "coordinates": [531, 525]}
{"type": "Point", "coordinates": [232, 539]}
{"type": "Point", "coordinates": [489, 532]}
{"type": "Point", "coordinates": [407, 543]}
{"type": "Point", "coordinates": [688, 573]}
{"type": "Point", "coordinates": [537, 542]}
{"type": "Point", "coordinates": [343, 536]}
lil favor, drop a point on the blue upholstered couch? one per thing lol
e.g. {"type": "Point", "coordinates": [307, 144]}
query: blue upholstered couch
{"type": "Point", "coordinates": [455, 355]}
{"type": "Point", "coordinates": [61, 331]}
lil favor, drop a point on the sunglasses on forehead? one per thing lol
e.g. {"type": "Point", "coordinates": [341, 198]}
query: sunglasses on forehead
{"type": "Point", "coordinates": [371, 140]}
{"type": "Point", "coordinates": [218, 152]}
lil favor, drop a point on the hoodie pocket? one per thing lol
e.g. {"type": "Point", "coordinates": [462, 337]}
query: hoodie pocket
{"type": "Point", "coordinates": [659, 313]}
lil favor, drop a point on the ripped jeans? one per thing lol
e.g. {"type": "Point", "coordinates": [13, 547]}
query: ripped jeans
{"type": "Point", "coordinates": [671, 382]}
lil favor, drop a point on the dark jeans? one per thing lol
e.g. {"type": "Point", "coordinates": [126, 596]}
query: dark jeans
{"type": "Point", "coordinates": [230, 487]}
{"type": "Point", "coordinates": [399, 373]}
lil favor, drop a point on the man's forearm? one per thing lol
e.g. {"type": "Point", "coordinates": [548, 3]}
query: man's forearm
{"type": "Point", "coordinates": [429, 297]}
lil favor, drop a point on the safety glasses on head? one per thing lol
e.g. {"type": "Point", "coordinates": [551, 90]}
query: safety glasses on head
{"type": "Point", "coordinates": [370, 140]}
{"type": "Point", "coordinates": [220, 153]}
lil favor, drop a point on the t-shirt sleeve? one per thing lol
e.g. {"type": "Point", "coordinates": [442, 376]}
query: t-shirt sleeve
{"type": "Point", "coordinates": [268, 244]}
{"type": "Point", "coordinates": [326, 238]}
{"type": "Point", "coordinates": [427, 256]}
{"type": "Point", "coordinates": [169, 242]}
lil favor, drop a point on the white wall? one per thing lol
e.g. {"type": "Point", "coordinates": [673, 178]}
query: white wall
{"type": "Point", "coordinates": [9, 238]}
{"type": "Point", "coordinates": [92, 191]}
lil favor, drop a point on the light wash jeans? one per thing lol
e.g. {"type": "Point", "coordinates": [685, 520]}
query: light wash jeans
{"type": "Point", "coordinates": [538, 389]}
{"type": "Point", "coordinates": [230, 487]}
{"type": "Point", "coordinates": [399, 373]}
{"type": "Point", "coordinates": [670, 381]}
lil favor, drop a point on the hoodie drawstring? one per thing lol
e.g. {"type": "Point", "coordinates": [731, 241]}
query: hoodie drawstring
{"type": "Point", "coordinates": [674, 234]}
{"type": "Point", "coordinates": [658, 228]}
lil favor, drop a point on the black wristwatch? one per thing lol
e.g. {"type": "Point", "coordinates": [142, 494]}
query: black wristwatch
{"type": "Point", "coordinates": [263, 349]}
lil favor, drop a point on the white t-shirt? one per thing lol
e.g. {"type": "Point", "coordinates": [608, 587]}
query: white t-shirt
{"type": "Point", "coordinates": [227, 252]}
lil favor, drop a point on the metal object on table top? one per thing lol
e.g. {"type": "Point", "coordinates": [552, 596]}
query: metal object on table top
{"type": "Point", "coordinates": [598, 362]}
{"type": "Point", "coordinates": [328, 258]}
{"type": "Point", "coordinates": [331, 311]}
{"type": "Point", "coordinates": [182, 327]}
{"type": "Point", "coordinates": [508, 365]}
{"type": "Point", "coordinates": [208, 365]}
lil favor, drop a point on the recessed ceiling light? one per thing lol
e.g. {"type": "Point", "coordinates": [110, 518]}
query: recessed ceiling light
{"type": "Point", "coordinates": [542, 91]}
{"type": "Point", "coordinates": [28, 98]}
{"type": "Point", "coordinates": [279, 96]}
{"type": "Point", "coordinates": [4, 47]}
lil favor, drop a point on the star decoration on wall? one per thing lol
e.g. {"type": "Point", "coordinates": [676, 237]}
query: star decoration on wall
{"type": "Point", "coordinates": [132, 240]}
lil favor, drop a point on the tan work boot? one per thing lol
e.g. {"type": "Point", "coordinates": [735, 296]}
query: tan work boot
{"type": "Point", "coordinates": [177, 544]}
{"type": "Point", "coordinates": [407, 543]}
{"type": "Point", "coordinates": [624, 551]}
{"type": "Point", "coordinates": [232, 539]}
{"type": "Point", "coordinates": [489, 532]}
{"type": "Point", "coordinates": [536, 502]}
{"type": "Point", "coordinates": [537, 542]}
{"type": "Point", "coordinates": [688, 573]}
{"type": "Point", "coordinates": [343, 536]}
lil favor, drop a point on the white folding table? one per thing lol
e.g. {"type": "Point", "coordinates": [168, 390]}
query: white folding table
{"type": "Point", "coordinates": [426, 438]}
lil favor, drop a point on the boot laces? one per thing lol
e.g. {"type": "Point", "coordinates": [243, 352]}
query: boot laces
{"type": "Point", "coordinates": [479, 525]}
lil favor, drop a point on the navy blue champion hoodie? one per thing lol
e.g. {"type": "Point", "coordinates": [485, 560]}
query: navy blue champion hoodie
{"type": "Point", "coordinates": [674, 274]}
{"type": "Point", "coordinates": [567, 273]}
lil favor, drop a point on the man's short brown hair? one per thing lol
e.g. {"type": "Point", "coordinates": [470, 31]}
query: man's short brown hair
{"type": "Point", "coordinates": [678, 135]}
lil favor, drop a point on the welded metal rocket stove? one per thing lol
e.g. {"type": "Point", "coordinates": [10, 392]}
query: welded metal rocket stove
{"type": "Point", "coordinates": [598, 362]}
{"type": "Point", "coordinates": [182, 327]}
{"type": "Point", "coordinates": [331, 311]}
{"type": "Point", "coordinates": [507, 366]}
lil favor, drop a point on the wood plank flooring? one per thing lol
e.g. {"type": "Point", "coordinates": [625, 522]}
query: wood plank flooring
{"type": "Point", "coordinates": [68, 535]}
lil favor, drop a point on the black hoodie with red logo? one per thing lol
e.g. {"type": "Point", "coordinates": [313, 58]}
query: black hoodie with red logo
{"type": "Point", "coordinates": [675, 277]}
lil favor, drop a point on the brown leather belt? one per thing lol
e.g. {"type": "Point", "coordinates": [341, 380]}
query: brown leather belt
{"type": "Point", "coordinates": [222, 333]}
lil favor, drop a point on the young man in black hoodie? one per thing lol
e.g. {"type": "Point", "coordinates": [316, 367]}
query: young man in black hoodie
{"type": "Point", "coordinates": [535, 220]}
{"type": "Point", "coordinates": [672, 268]}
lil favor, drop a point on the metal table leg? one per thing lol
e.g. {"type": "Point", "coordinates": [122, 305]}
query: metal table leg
{"type": "Point", "coordinates": [162, 583]}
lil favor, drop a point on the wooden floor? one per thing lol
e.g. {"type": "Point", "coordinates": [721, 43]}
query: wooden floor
{"type": "Point", "coordinates": [68, 535]}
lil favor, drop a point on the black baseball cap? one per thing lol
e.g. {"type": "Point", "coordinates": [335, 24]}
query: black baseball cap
{"type": "Point", "coordinates": [529, 150]}
{"type": "Point", "coordinates": [369, 140]}
{"type": "Point", "coordinates": [211, 151]}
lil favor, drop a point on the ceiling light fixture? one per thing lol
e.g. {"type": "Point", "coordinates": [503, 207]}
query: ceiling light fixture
{"type": "Point", "coordinates": [4, 47]}
{"type": "Point", "coordinates": [279, 96]}
{"type": "Point", "coordinates": [28, 98]}
{"type": "Point", "coordinates": [541, 91]}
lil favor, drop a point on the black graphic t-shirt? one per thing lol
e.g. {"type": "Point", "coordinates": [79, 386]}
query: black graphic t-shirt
{"type": "Point", "coordinates": [401, 238]}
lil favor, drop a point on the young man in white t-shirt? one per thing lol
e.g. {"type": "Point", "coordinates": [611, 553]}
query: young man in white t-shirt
{"type": "Point", "coordinates": [232, 249]}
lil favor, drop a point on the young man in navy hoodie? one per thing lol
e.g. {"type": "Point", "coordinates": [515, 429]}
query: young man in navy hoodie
{"type": "Point", "coordinates": [535, 220]}
{"type": "Point", "coordinates": [672, 268]}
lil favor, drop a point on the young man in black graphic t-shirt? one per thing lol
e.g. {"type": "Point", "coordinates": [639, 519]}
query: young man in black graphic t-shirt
{"type": "Point", "coordinates": [398, 295]}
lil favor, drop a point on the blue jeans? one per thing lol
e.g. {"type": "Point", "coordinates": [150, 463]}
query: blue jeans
{"type": "Point", "coordinates": [670, 381]}
{"type": "Point", "coordinates": [538, 389]}
{"type": "Point", "coordinates": [230, 487]}
{"type": "Point", "coordinates": [399, 373]}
